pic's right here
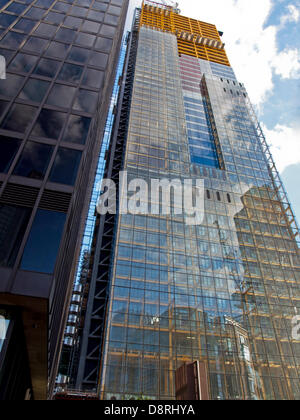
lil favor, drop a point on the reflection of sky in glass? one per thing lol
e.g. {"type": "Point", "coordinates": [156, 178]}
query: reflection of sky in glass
{"type": "Point", "coordinates": [43, 242]}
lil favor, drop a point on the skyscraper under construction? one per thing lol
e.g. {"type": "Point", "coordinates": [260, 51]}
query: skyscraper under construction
{"type": "Point", "coordinates": [161, 292]}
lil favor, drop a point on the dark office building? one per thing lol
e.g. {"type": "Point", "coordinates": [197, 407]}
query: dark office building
{"type": "Point", "coordinates": [61, 58]}
{"type": "Point", "coordinates": [165, 293]}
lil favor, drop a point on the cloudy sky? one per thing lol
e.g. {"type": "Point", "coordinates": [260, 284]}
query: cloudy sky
{"type": "Point", "coordinates": [263, 46]}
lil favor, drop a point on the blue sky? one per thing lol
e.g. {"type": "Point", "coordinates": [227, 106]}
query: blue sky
{"type": "Point", "coordinates": [263, 45]}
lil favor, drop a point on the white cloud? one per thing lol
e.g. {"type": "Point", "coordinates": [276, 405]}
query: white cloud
{"type": "Point", "coordinates": [293, 15]}
{"type": "Point", "coordinates": [285, 145]}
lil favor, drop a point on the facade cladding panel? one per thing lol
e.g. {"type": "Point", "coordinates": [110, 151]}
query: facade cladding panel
{"type": "Point", "coordinates": [224, 292]}
{"type": "Point", "coordinates": [61, 58]}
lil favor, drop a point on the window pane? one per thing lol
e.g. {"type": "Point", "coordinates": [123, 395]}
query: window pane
{"type": "Point", "coordinates": [90, 26]}
{"type": "Point", "coordinates": [57, 49]}
{"type": "Point", "coordinates": [46, 30]}
{"type": "Point", "coordinates": [104, 44]}
{"type": "Point", "coordinates": [65, 166]}
{"type": "Point", "coordinates": [16, 8]}
{"type": "Point", "coordinates": [66, 35]}
{"type": "Point", "coordinates": [25, 25]}
{"type": "Point", "coordinates": [77, 129]}
{"type": "Point", "coordinates": [61, 96]}
{"type": "Point", "coordinates": [8, 150]}
{"type": "Point", "coordinates": [35, 44]}
{"type": "Point", "coordinates": [3, 107]}
{"type": "Point", "coordinates": [86, 101]}
{"type": "Point", "coordinates": [23, 63]}
{"type": "Point", "coordinates": [98, 59]}
{"type": "Point", "coordinates": [86, 40]}
{"type": "Point", "coordinates": [47, 67]}
{"type": "Point", "coordinates": [19, 118]}
{"type": "Point", "coordinates": [12, 40]}
{"type": "Point", "coordinates": [72, 22]}
{"type": "Point", "coordinates": [35, 13]}
{"type": "Point", "coordinates": [13, 223]}
{"type": "Point", "coordinates": [34, 160]}
{"type": "Point", "coordinates": [11, 85]}
{"type": "Point", "coordinates": [6, 20]}
{"type": "Point", "coordinates": [78, 54]}
{"type": "Point", "coordinates": [53, 17]}
{"type": "Point", "coordinates": [34, 90]}
{"type": "Point", "coordinates": [70, 73]}
{"type": "Point", "coordinates": [93, 78]}
{"type": "Point", "coordinates": [40, 254]}
{"type": "Point", "coordinates": [49, 124]}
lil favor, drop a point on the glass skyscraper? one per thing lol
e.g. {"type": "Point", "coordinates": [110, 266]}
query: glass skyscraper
{"type": "Point", "coordinates": [162, 292]}
{"type": "Point", "coordinates": [61, 59]}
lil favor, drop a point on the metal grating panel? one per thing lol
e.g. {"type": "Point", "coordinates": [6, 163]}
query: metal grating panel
{"type": "Point", "coordinates": [19, 195]}
{"type": "Point", "coordinates": [56, 201]}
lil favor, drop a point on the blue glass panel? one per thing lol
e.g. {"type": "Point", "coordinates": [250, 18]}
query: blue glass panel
{"type": "Point", "coordinates": [43, 243]}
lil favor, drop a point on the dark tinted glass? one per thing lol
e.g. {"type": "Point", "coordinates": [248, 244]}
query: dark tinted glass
{"type": "Point", "coordinates": [34, 160]}
{"type": "Point", "coordinates": [78, 54]}
{"type": "Point", "coordinates": [47, 67]}
{"type": "Point", "coordinates": [57, 49]}
{"type": "Point", "coordinates": [12, 40]}
{"type": "Point", "coordinates": [54, 17]}
{"type": "Point", "coordinates": [11, 85]}
{"type": "Point", "coordinates": [107, 30]}
{"type": "Point", "coordinates": [49, 124]}
{"type": "Point", "coordinates": [35, 44]}
{"type": "Point", "coordinates": [86, 101]}
{"type": "Point", "coordinates": [98, 16]}
{"type": "Point", "coordinates": [19, 118]}
{"type": "Point", "coordinates": [16, 8]}
{"type": "Point", "coordinates": [62, 7]}
{"type": "Point", "coordinates": [86, 40]}
{"type": "Point", "coordinates": [98, 59]}
{"type": "Point", "coordinates": [25, 25]}
{"type": "Point", "coordinates": [34, 90]}
{"type": "Point", "coordinates": [65, 166]}
{"type": "Point", "coordinates": [77, 129]}
{"type": "Point", "coordinates": [3, 107]}
{"type": "Point", "coordinates": [8, 150]}
{"type": "Point", "coordinates": [90, 26]}
{"type": "Point", "coordinates": [44, 3]}
{"type": "Point", "coordinates": [93, 78]}
{"type": "Point", "coordinates": [6, 20]}
{"type": "Point", "coordinates": [13, 223]}
{"type": "Point", "coordinates": [104, 44]}
{"type": "Point", "coordinates": [43, 243]}
{"type": "Point", "coordinates": [23, 63]}
{"type": "Point", "coordinates": [99, 6]}
{"type": "Point", "coordinates": [73, 22]}
{"type": "Point", "coordinates": [46, 30]}
{"type": "Point", "coordinates": [61, 96]}
{"type": "Point", "coordinates": [65, 34]}
{"type": "Point", "coordinates": [70, 73]}
{"type": "Point", "coordinates": [7, 54]}
{"type": "Point", "coordinates": [111, 19]}
{"type": "Point", "coordinates": [35, 13]}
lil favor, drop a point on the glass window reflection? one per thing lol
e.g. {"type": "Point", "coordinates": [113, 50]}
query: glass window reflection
{"type": "Point", "coordinates": [8, 151]}
{"type": "Point", "coordinates": [43, 243]}
{"type": "Point", "coordinates": [49, 124]}
{"type": "Point", "coordinates": [34, 160]}
{"type": "Point", "coordinates": [77, 129]}
{"type": "Point", "coordinates": [65, 166]}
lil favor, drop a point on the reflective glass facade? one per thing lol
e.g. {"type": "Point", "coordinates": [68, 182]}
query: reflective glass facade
{"type": "Point", "coordinates": [61, 59]}
{"type": "Point", "coordinates": [223, 292]}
